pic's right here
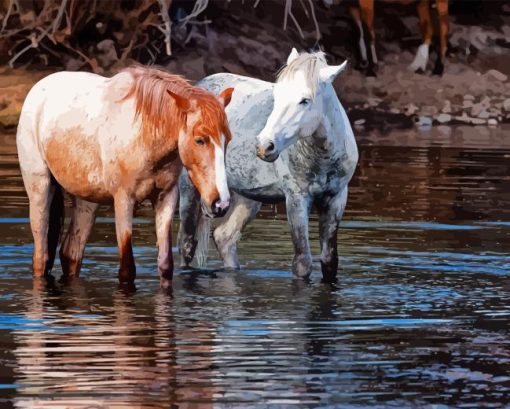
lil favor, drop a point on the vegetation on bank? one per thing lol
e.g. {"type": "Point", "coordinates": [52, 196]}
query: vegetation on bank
{"type": "Point", "coordinates": [253, 37]}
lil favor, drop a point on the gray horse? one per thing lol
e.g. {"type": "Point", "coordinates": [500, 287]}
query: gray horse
{"type": "Point", "coordinates": [306, 152]}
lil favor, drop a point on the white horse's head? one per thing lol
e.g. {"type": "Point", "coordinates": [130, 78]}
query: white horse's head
{"type": "Point", "coordinates": [298, 102]}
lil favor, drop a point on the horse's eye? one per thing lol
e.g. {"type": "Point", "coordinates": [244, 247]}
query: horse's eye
{"type": "Point", "coordinates": [200, 141]}
{"type": "Point", "coordinates": [304, 101]}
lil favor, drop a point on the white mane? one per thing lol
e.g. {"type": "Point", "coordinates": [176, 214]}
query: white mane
{"type": "Point", "coordinates": [308, 63]}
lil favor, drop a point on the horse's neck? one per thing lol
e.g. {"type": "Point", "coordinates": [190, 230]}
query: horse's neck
{"type": "Point", "coordinates": [335, 126]}
{"type": "Point", "coordinates": [328, 141]}
{"type": "Point", "coordinates": [161, 146]}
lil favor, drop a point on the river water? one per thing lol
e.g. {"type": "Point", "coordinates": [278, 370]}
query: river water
{"type": "Point", "coordinates": [419, 316]}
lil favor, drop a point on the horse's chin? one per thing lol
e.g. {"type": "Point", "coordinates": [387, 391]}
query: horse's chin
{"type": "Point", "coordinates": [270, 158]}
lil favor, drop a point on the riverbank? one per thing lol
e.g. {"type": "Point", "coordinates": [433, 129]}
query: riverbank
{"type": "Point", "coordinates": [474, 90]}
{"type": "Point", "coordinates": [14, 86]}
{"type": "Point", "coordinates": [396, 98]}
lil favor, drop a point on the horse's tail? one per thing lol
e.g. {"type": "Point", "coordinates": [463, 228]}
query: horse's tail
{"type": "Point", "coordinates": [202, 236]}
{"type": "Point", "coordinates": [56, 222]}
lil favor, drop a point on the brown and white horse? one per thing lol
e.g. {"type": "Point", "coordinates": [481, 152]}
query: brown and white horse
{"type": "Point", "coordinates": [364, 15]}
{"type": "Point", "coordinates": [120, 139]}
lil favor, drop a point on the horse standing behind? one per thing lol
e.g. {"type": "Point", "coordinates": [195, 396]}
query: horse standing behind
{"type": "Point", "coordinates": [299, 129]}
{"type": "Point", "coordinates": [364, 15]}
{"type": "Point", "coordinates": [120, 139]}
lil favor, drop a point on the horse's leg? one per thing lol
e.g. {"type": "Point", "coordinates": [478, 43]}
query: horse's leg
{"type": "Point", "coordinates": [427, 31]}
{"type": "Point", "coordinates": [227, 234]}
{"type": "Point", "coordinates": [71, 251]}
{"type": "Point", "coordinates": [442, 12]}
{"type": "Point", "coordinates": [124, 205]}
{"type": "Point", "coordinates": [356, 16]}
{"type": "Point", "coordinates": [330, 215]}
{"type": "Point", "coordinates": [367, 16]}
{"type": "Point", "coordinates": [40, 194]}
{"type": "Point", "coordinates": [298, 210]}
{"type": "Point", "coordinates": [164, 206]}
{"type": "Point", "coordinates": [189, 213]}
{"type": "Point", "coordinates": [46, 200]}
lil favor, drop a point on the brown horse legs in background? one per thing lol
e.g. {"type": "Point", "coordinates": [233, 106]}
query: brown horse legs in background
{"type": "Point", "coordinates": [364, 15]}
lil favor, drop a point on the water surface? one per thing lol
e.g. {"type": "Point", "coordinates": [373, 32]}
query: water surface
{"type": "Point", "coordinates": [419, 316]}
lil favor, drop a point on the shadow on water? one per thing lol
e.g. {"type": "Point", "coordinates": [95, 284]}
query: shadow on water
{"type": "Point", "coordinates": [419, 316]}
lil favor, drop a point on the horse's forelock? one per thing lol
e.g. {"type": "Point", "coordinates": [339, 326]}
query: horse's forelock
{"type": "Point", "coordinates": [214, 120]}
{"type": "Point", "coordinates": [309, 64]}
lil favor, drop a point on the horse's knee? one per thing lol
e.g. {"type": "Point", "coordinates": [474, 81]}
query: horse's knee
{"type": "Point", "coordinates": [226, 246]}
{"type": "Point", "coordinates": [302, 265]}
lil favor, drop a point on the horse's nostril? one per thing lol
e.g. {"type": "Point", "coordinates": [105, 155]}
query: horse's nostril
{"type": "Point", "coordinates": [270, 147]}
{"type": "Point", "coordinates": [220, 208]}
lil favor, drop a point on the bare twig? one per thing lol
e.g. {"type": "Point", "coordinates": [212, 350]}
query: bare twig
{"type": "Point", "coordinates": [56, 23]}
{"type": "Point", "coordinates": [303, 6]}
{"type": "Point", "coordinates": [198, 8]}
{"type": "Point", "coordinates": [19, 54]}
{"type": "Point", "coordinates": [34, 43]}
{"type": "Point", "coordinates": [164, 6]}
{"type": "Point", "coordinates": [288, 13]}
{"type": "Point", "coordinates": [288, 7]}
{"type": "Point", "coordinates": [89, 61]}
{"type": "Point", "coordinates": [296, 24]}
{"type": "Point", "coordinates": [314, 17]}
{"type": "Point", "coordinates": [8, 14]}
{"type": "Point", "coordinates": [127, 50]}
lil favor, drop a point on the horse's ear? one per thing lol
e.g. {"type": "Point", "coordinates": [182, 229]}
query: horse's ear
{"type": "Point", "coordinates": [225, 96]}
{"type": "Point", "coordinates": [329, 73]}
{"type": "Point", "coordinates": [292, 56]}
{"type": "Point", "coordinates": [183, 103]}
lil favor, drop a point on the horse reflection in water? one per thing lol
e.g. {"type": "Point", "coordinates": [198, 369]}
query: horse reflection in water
{"type": "Point", "coordinates": [115, 359]}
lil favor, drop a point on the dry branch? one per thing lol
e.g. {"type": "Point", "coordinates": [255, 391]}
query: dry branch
{"type": "Point", "coordinates": [167, 30]}
{"type": "Point", "coordinates": [289, 14]}
{"type": "Point", "coordinates": [60, 32]}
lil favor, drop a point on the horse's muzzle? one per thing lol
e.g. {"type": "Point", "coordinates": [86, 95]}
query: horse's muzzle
{"type": "Point", "coordinates": [220, 208]}
{"type": "Point", "coordinates": [267, 151]}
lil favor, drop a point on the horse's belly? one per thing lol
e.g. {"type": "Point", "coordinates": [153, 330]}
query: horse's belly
{"type": "Point", "coordinates": [77, 166]}
{"type": "Point", "coordinates": [266, 194]}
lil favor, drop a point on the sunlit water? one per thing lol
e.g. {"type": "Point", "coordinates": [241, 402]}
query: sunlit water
{"type": "Point", "coordinates": [420, 316]}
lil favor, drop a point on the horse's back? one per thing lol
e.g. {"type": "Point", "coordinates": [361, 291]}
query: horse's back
{"type": "Point", "coordinates": [59, 127]}
{"type": "Point", "coordinates": [251, 104]}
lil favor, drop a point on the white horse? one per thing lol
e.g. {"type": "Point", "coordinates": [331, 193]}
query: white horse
{"type": "Point", "coordinates": [299, 129]}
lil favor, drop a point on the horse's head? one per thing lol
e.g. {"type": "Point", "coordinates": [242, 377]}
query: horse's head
{"type": "Point", "coordinates": [202, 147]}
{"type": "Point", "coordinates": [298, 103]}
